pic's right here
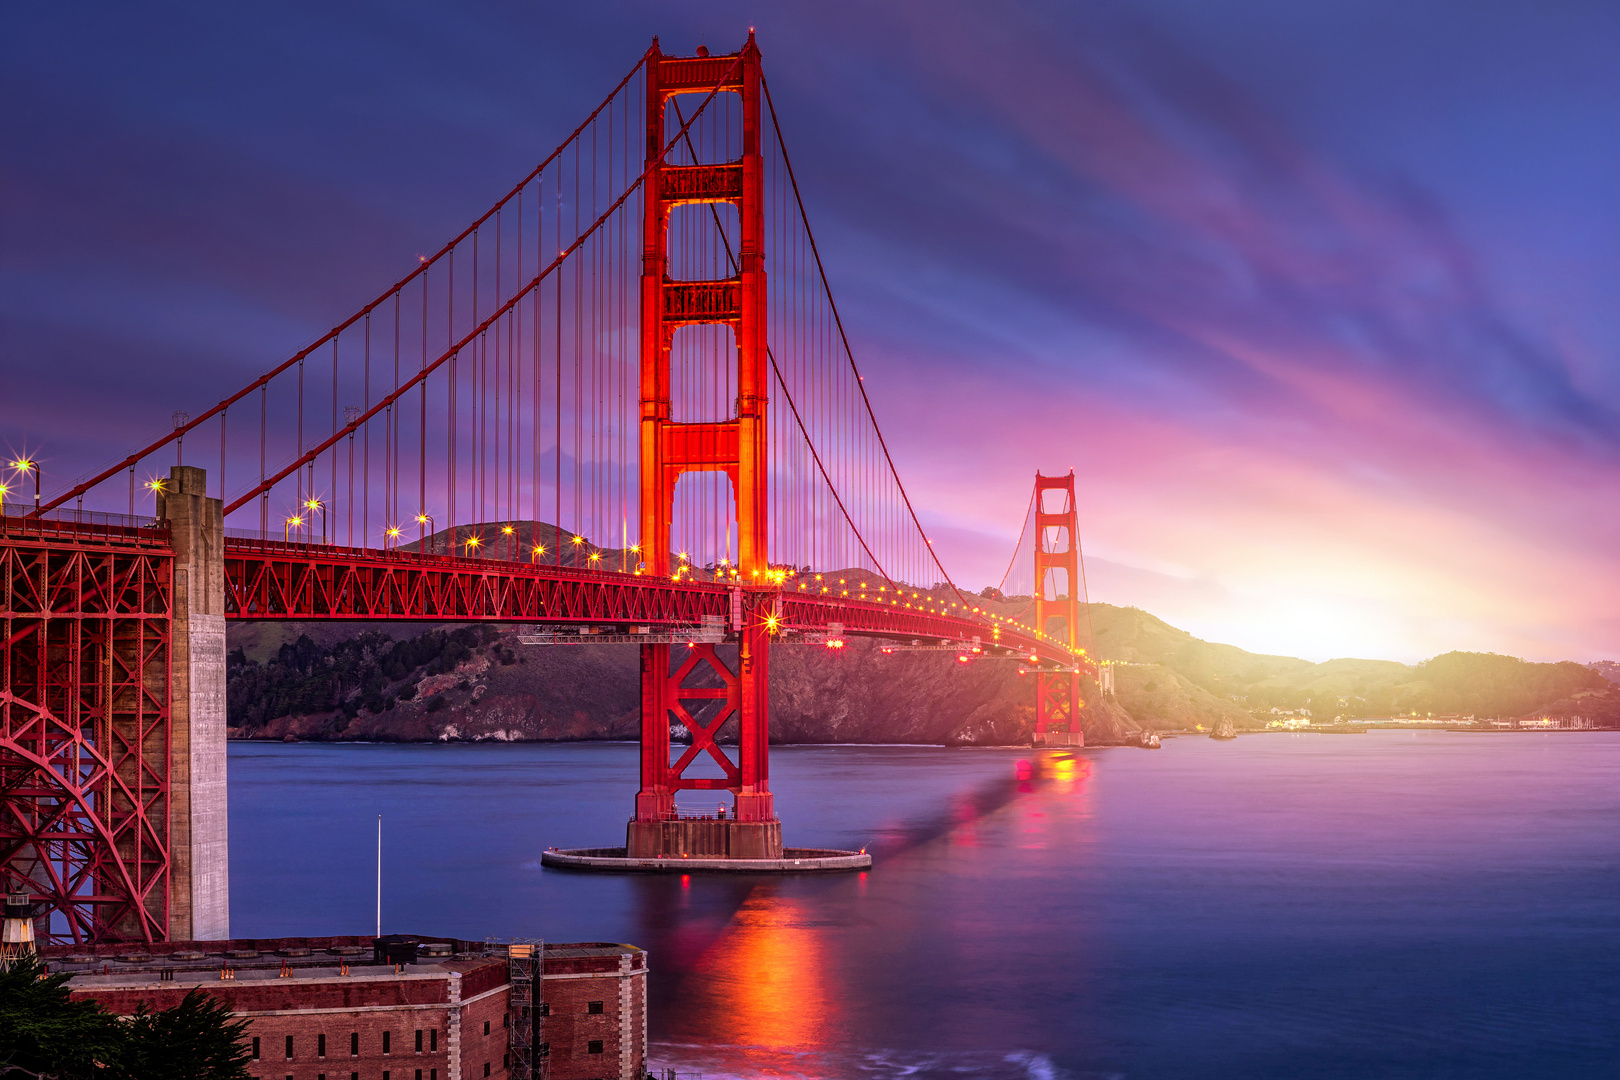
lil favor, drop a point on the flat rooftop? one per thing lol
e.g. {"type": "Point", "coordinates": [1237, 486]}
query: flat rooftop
{"type": "Point", "coordinates": [197, 963]}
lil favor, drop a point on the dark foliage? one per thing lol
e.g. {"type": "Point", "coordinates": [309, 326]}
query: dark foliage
{"type": "Point", "coordinates": [369, 672]}
{"type": "Point", "coordinates": [46, 1036]}
{"type": "Point", "coordinates": [195, 1040]}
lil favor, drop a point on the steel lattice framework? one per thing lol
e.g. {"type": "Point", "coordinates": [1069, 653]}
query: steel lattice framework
{"type": "Point", "coordinates": [272, 580]}
{"type": "Point", "coordinates": [85, 637]}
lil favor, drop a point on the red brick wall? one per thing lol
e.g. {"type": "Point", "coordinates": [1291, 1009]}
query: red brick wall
{"type": "Point", "coordinates": [401, 1062]}
{"type": "Point", "coordinates": [571, 1026]}
{"type": "Point", "coordinates": [478, 1048]}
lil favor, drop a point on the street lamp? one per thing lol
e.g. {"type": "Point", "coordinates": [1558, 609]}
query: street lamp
{"type": "Point", "coordinates": [287, 526]}
{"type": "Point", "coordinates": [316, 506]}
{"type": "Point", "coordinates": [424, 519]}
{"type": "Point", "coordinates": [156, 488]}
{"type": "Point", "coordinates": [25, 465]}
{"type": "Point", "coordinates": [391, 535]}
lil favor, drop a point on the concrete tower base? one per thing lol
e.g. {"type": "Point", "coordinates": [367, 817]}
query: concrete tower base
{"type": "Point", "coordinates": [703, 839]}
{"type": "Point", "coordinates": [792, 861]}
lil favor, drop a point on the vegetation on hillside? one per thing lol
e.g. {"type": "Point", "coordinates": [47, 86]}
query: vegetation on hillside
{"type": "Point", "coordinates": [1478, 684]}
{"type": "Point", "coordinates": [370, 673]}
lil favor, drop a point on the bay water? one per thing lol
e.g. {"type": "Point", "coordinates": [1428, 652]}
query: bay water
{"type": "Point", "coordinates": [1396, 904]}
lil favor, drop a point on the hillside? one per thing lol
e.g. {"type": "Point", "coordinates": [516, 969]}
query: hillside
{"type": "Point", "coordinates": [418, 682]}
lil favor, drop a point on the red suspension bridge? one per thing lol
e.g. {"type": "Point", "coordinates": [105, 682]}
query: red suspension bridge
{"type": "Point", "coordinates": [620, 406]}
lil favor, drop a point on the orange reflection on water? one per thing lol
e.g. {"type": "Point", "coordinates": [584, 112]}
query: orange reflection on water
{"type": "Point", "coordinates": [768, 974]}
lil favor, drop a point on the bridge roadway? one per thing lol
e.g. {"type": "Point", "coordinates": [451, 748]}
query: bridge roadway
{"type": "Point", "coordinates": [269, 580]}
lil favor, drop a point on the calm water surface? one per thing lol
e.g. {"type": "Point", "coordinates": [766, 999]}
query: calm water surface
{"type": "Point", "coordinates": [1389, 905]}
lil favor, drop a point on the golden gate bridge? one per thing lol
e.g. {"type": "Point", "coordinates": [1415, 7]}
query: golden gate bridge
{"type": "Point", "coordinates": [638, 340]}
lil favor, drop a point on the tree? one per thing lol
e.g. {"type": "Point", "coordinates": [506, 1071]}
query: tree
{"type": "Point", "coordinates": [46, 1036]}
{"type": "Point", "coordinates": [195, 1040]}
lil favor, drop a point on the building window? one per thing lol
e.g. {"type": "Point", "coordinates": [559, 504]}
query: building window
{"type": "Point", "coordinates": [418, 1045]}
{"type": "Point", "coordinates": [545, 1008]}
{"type": "Point", "coordinates": [506, 1060]}
{"type": "Point", "coordinates": [433, 1041]}
{"type": "Point", "coordinates": [354, 1044]}
{"type": "Point", "coordinates": [486, 1027]}
{"type": "Point", "coordinates": [594, 1046]}
{"type": "Point", "coordinates": [354, 1076]}
{"type": "Point", "coordinates": [506, 1019]}
{"type": "Point", "coordinates": [320, 1076]}
{"type": "Point", "coordinates": [593, 1007]}
{"type": "Point", "coordinates": [418, 1074]}
{"type": "Point", "coordinates": [320, 1046]}
{"type": "Point", "coordinates": [486, 1068]}
{"type": "Point", "coordinates": [385, 1074]}
{"type": "Point", "coordinates": [255, 1048]}
{"type": "Point", "coordinates": [289, 1048]}
{"type": "Point", "coordinates": [544, 1050]}
{"type": "Point", "coordinates": [387, 1037]}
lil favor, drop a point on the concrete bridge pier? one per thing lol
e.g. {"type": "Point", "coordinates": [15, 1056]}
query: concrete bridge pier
{"type": "Point", "coordinates": [199, 851]}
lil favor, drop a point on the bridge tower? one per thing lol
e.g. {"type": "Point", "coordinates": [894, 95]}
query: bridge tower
{"type": "Point", "coordinates": [673, 688]}
{"type": "Point", "coordinates": [1057, 596]}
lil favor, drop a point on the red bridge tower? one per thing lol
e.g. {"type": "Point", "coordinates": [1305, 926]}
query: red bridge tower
{"type": "Point", "coordinates": [1057, 596]}
{"type": "Point", "coordinates": [671, 446]}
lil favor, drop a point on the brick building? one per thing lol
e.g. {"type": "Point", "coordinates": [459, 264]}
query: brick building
{"type": "Point", "coordinates": [345, 1008]}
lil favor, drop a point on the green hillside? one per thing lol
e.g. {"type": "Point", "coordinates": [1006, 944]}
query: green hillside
{"type": "Point", "coordinates": [1165, 693]}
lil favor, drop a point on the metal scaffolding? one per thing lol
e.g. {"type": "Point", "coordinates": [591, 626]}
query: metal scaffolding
{"type": "Point", "coordinates": [526, 1010]}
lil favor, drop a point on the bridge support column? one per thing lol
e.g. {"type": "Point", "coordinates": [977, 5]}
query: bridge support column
{"type": "Point", "coordinates": [697, 689]}
{"type": "Point", "coordinates": [1057, 596]}
{"type": "Point", "coordinates": [199, 899]}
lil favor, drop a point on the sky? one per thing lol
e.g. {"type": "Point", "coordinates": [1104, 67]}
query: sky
{"type": "Point", "coordinates": [1316, 299]}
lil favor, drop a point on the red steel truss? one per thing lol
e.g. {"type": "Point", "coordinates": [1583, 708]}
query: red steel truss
{"type": "Point", "coordinates": [85, 635]}
{"type": "Point", "coordinates": [272, 580]}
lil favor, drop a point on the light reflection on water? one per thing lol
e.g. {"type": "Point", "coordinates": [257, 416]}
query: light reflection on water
{"type": "Point", "coordinates": [1393, 904]}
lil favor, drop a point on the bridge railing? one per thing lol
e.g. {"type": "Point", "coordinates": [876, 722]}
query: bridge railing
{"type": "Point", "coordinates": [81, 524]}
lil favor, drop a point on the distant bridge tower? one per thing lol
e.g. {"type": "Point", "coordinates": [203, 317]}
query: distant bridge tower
{"type": "Point", "coordinates": [672, 445]}
{"type": "Point", "coordinates": [1057, 596]}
